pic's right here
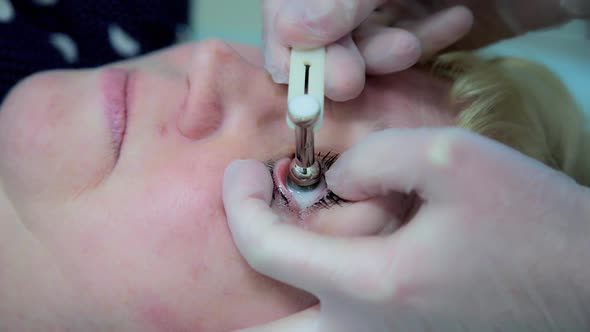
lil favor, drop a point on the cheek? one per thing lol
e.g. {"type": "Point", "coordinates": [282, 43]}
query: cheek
{"type": "Point", "coordinates": [52, 139]}
{"type": "Point", "coordinates": [177, 214]}
{"type": "Point", "coordinates": [24, 126]}
{"type": "Point", "coordinates": [170, 205]}
{"type": "Point", "coordinates": [162, 238]}
{"type": "Point", "coordinates": [167, 253]}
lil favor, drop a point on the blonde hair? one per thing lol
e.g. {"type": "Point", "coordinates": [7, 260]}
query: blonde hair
{"type": "Point", "coordinates": [521, 104]}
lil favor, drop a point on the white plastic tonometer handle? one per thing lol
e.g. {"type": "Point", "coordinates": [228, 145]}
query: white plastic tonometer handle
{"type": "Point", "coordinates": [306, 77]}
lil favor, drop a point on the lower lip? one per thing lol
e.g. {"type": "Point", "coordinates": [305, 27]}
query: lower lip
{"type": "Point", "coordinates": [114, 89]}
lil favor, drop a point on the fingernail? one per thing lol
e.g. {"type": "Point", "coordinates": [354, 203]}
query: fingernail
{"type": "Point", "coordinates": [233, 171]}
{"type": "Point", "coordinates": [311, 13]}
{"type": "Point", "coordinates": [332, 176]}
{"type": "Point", "coordinates": [278, 76]}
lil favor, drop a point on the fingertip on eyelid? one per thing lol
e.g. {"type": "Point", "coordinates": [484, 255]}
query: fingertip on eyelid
{"type": "Point", "coordinates": [246, 179]}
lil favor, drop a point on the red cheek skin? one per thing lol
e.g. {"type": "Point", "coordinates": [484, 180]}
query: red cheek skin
{"type": "Point", "coordinates": [33, 117]}
{"type": "Point", "coordinates": [153, 312]}
{"type": "Point", "coordinates": [190, 229]}
{"type": "Point", "coordinates": [190, 224]}
{"type": "Point", "coordinates": [198, 271]}
{"type": "Point", "coordinates": [28, 134]}
{"type": "Point", "coordinates": [39, 128]}
{"type": "Point", "coordinates": [163, 130]}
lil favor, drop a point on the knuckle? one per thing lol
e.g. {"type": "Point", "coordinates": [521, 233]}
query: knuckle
{"type": "Point", "coordinates": [327, 21]}
{"type": "Point", "coordinates": [376, 289]}
{"type": "Point", "coordinates": [217, 48]}
{"type": "Point", "coordinates": [447, 145]}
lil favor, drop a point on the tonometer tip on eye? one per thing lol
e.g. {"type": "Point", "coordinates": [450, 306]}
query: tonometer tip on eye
{"type": "Point", "coordinates": [305, 113]}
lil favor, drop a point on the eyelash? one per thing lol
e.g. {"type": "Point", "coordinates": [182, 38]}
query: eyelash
{"type": "Point", "coordinates": [330, 199]}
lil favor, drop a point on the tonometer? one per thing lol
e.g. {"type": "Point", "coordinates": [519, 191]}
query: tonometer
{"type": "Point", "coordinates": [305, 114]}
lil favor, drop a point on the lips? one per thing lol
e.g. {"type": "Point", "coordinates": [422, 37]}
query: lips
{"type": "Point", "coordinates": [114, 89]}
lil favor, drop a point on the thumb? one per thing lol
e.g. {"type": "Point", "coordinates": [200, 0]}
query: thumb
{"type": "Point", "coordinates": [285, 252]}
{"type": "Point", "coordinates": [309, 24]}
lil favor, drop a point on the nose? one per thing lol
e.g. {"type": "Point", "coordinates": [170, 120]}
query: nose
{"type": "Point", "coordinates": [224, 86]}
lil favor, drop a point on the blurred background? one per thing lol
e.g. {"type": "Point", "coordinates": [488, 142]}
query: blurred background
{"type": "Point", "coordinates": [235, 20]}
{"type": "Point", "coordinates": [566, 49]}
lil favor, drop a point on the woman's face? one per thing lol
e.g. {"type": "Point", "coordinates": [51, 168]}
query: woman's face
{"type": "Point", "coordinates": [111, 186]}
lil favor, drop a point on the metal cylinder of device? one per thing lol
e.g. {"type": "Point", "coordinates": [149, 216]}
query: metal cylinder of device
{"type": "Point", "coordinates": [304, 170]}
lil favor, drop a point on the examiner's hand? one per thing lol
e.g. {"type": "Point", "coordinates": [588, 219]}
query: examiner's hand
{"type": "Point", "coordinates": [384, 36]}
{"type": "Point", "coordinates": [499, 241]}
{"type": "Point", "coordinates": [359, 40]}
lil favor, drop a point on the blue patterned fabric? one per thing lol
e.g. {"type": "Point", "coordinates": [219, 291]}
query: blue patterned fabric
{"type": "Point", "coordinates": [29, 30]}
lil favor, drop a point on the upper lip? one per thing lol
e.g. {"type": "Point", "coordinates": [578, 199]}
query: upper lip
{"type": "Point", "coordinates": [115, 84]}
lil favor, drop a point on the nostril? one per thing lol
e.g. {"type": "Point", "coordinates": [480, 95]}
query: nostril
{"type": "Point", "coordinates": [212, 72]}
{"type": "Point", "coordinates": [200, 123]}
{"type": "Point", "coordinates": [201, 113]}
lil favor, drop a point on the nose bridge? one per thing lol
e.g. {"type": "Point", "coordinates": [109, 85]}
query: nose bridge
{"type": "Point", "coordinates": [212, 62]}
{"type": "Point", "coordinates": [226, 89]}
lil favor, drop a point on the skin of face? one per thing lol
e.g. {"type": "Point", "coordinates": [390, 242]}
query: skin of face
{"type": "Point", "coordinates": [111, 215]}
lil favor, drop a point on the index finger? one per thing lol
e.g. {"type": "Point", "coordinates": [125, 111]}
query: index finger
{"type": "Point", "coordinates": [309, 24]}
{"type": "Point", "coordinates": [440, 164]}
{"type": "Point", "coordinates": [285, 252]}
